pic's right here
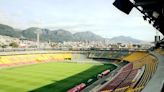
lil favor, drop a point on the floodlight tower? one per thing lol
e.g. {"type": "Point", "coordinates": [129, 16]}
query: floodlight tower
{"type": "Point", "coordinates": [37, 39]}
{"type": "Point", "coordinates": [38, 32]}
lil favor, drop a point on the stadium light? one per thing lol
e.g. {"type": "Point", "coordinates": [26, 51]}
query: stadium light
{"type": "Point", "coordinates": [155, 14]}
{"type": "Point", "coordinates": [124, 5]}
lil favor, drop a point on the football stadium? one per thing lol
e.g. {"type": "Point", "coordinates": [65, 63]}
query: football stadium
{"type": "Point", "coordinates": [72, 71]}
{"type": "Point", "coordinates": [93, 69]}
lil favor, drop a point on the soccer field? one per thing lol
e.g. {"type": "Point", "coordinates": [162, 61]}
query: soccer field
{"type": "Point", "coordinates": [48, 77]}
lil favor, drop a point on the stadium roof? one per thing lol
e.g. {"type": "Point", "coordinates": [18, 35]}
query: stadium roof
{"type": "Point", "coordinates": [153, 10]}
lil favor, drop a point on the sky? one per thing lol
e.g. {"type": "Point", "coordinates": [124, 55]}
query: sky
{"type": "Point", "coordinates": [97, 16]}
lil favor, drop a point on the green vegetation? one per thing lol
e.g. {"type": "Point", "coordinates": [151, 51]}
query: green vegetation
{"type": "Point", "coordinates": [9, 31]}
{"type": "Point", "coordinates": [47, 77]}
{"type": "Point", "coordinates": [13, 45]}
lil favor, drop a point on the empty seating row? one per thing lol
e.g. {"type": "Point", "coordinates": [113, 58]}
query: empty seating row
{"type": "Point", "coordinates": [129, 66]}
{"type": "Point", "coordinates": [130, 83]}
{"type": "Point", "coordinates": [160, 51]}
{"type": "Point", "coordinates": [140, 59]}
{"type": "Point", "coordinates": [135, 56]}
{"type": "Point", "coordinates": [129, 79]}
{"type": "Point", "coordinates": [32, 58]}
{"type": "Point", "coordinates": [112, 85]}
{"type": "Point", "coordinates": [150, 68]}
{"type": "Point", "coordinates": [109, 54]}
{"type": "Point", "coordinates": [119, 78]}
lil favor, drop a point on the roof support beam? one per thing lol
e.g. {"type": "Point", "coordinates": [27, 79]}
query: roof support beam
{"type": "Point", "coordinates": [145, 3]}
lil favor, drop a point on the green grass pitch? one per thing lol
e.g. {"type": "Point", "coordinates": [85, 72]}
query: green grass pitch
{"type": "Point", "coordinates": [47, 77]}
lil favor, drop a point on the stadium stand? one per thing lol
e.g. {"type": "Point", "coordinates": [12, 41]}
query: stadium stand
{"type": "Point", "coordinates": [121, 63]}
{"type": "Point", "coordinates": [116, 54]}
{"type": "Point", "coordinates": [135, 56]}
{"type": "Point", "coordinates": [150, 68]}
{"type": "Point", "coordinates": [129, 79]}
{"type": "Point", "coordinates": [118, 80]}
{"type": "Point", "coordinates": [12, 60]}
{"type": "Point", "coordinates": [133, 76]}
{"type": "Point", "coordinates": [139, 60]}
{"type": "Point", "coordinates": [160, 51]}
{"type": "Point", "coordinates": [136, 69]}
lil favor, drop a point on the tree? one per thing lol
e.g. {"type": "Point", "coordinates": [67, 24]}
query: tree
{"type": "Point", "coordinates": [4, 46]}
{"type": "Point", "coordinates": [13, 45]}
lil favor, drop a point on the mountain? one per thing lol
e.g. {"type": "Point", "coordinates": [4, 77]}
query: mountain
{"type": "Point", "coordinates": [82, 36]}
{"type": "Point", "coordinates": [9, 31]}
{"type": "Point", "coordinates": [30, 33]}
{"type": "Point", "coordinates": [59, 35]}
{"type": "Point", "coordinates": [47, 35]}
{"type": "Point", "coordinates": [124, 39]}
